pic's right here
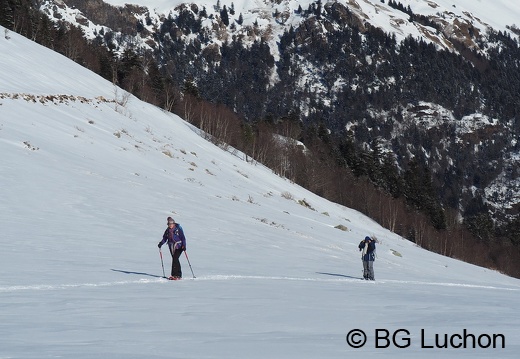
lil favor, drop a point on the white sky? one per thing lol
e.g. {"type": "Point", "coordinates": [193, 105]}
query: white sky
{"type": "Point", "coordinates": [85, 189]}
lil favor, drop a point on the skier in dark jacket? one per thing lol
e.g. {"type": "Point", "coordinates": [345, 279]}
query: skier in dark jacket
{"type": "Point", "coordinates": [174, 236]}
{"type": "Point", "coordinates": [368, 256]}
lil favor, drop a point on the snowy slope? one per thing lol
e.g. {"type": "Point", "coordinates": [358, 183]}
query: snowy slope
{"type": "Point", "coordinates": [497, 14]}
{"type": "Point", "coordinates": [88, 176]}
{"type": "Point", "coordinates": [274, 17]}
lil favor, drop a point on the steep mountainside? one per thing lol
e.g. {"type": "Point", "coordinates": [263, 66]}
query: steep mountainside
{"type": "Point", "coordinates": [431, 82]}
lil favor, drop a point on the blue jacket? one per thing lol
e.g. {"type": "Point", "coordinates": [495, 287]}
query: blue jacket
{"type": "Point", "coordinates": [370, 254]}
{"type": "Point", "coordinates": [174, 237]}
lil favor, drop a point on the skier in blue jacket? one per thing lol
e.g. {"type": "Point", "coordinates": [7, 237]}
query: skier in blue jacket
{"type": "Point", "coordinates": [368, 256]}
{"type": "Point", "coordinates": [174, 236]}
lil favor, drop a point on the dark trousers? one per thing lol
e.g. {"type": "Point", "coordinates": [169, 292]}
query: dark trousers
{"type": "Point", "coordinates": [368, 270]}
{"type": "Point", "coordinates": [176, 264]}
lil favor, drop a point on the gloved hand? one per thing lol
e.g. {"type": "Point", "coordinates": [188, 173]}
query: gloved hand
{"type": "Point", "coordinates": [159, 245]}
{"type": "Point", "coordinates": [183, 248]}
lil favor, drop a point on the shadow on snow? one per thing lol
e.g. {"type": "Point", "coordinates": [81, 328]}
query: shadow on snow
{"type": "Point", "coordinates": [137, 273]}
{"type": "Point", "coordinates": [339, 275]}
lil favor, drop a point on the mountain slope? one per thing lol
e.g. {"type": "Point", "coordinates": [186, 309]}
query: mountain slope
{"type": "Point", "coordinates": [464, 21]}
{"type": "Point", "coordinates": [336, 66]}
{"type": "Point", "coordinates": [88, 176]}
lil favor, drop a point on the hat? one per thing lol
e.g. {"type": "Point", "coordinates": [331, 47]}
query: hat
{"type": "Point", "coordinates": [367, 238]}
{"type": "Point", "coordinates": [170, 220]}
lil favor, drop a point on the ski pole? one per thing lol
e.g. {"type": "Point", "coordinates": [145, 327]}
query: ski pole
{"type": "Point", "coordinates": [186, 254]}
{"type": "Point", "coordinates": [162, 263]}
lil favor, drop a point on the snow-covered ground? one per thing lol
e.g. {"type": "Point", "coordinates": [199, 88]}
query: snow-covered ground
{"type": "Point", "coordinates": [88, 176]}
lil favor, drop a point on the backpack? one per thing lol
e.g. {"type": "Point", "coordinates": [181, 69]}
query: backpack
{"type": "Point", "coordinates": [363, 247]}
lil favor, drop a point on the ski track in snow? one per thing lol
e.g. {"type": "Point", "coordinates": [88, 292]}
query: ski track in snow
{"type": "Point", "coordinates": [39, 287]}
{"type": "Point", "coordinates": [15, 288]}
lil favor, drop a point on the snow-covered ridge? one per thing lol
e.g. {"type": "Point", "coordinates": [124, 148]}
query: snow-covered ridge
{"type": "Point", "coordinates": [461, 21]}
{"type": "Point", "coordinates": [499, 14]}
{"type": "Point", "coordinates": [464, 21]}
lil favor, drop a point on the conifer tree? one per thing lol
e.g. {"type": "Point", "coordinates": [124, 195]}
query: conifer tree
{"type": "Point", "coordinates": [6, 14]}
{"type": "Point", "coordinates": [224, 16]}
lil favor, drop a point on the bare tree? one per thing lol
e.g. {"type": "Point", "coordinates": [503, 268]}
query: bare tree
{"type": "Point", "coordinates": [171, 97]}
